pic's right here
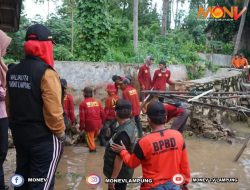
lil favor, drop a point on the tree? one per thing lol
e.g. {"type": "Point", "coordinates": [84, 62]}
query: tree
{"type": "Point", "coordinates": [93, 29]}
{"type": "Point", "coordinates": [165, 8]}
{"type": "Point", "coordinates": [242, 23]}
{"type": "Point", "coordinates": [136, 4]}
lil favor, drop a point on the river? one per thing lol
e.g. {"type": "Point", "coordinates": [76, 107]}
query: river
{"type": "Point", "coordinates": [210, 159]}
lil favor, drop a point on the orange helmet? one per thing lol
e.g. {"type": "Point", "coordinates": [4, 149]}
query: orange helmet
{"type": "Point", "coordinates": [111, 88]}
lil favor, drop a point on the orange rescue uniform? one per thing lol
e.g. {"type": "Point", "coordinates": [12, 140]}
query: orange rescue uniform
{"type": "Point", "coordinates": [243, 62]}
{"type": "Point", "coordinates": [236, 62]}
{"type": "Point", "coordinates": [130, 94]}
{"type": "Point", "coordinates": [162, 154]}
{"type": "Point", "coordinates": [109, 109]}
{"type": "Point", "coordinates": [92, 117]}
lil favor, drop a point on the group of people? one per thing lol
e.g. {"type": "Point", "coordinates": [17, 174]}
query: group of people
{"type": "Point", "coordinates": [35, 104]}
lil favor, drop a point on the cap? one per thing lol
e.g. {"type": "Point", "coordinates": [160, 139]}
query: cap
{"type": "Point", "coordinates": [156, 109]}
{"type": "Point", "coordinates": [122, 104]}
{"type": "Point", "coordinates": [38, 32]}
{"type": "Point", "coordinates": [111, 88]}
{"type": "Point", "coordinates": [64, 83]}
{"type": "Point", "coordinates": [88, 92]}
{"type": "Point", "coordinates": [126, 81]}
{"type": "Point", "coordinates": [116, 78]}
{"type": "Point", "coordinates": [129, 77]}
{"type": "Point", "coordinates": [163, 62]}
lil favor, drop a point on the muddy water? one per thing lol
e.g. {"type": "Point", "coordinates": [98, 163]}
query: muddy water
{"type": "Point", "coordinates": [207, 159]}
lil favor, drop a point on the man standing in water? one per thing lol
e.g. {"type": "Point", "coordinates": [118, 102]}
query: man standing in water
{"type": "Point", "coordinates": [126, 132]}
{"type": "Point", "coordinates": [35, 110]}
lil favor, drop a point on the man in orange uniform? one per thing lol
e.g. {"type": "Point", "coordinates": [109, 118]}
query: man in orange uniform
{"type": "Point", "coordinates": [91, 116]}
{"type": "Point", "coordinates": [236, 61]}
{"type": "Point", "coordinates": [129, 93]}
{"type": "Point", "coordinates": [144, 77]}
{"type": "Point", "coordinates": [161, 77]}
{"type": "Point", "coordinates": [243, 61]}
{"type": "Point", "coordinates": [68, 106]}
{"type": "Point", "coordinates": [110, 116]}
{"type": "Point", "coordinates": [162, 153]}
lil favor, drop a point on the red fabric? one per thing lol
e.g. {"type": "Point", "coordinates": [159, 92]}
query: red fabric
{"type": "Point", "coordinates": [172, 111]}
{"type": "Point", "coordinates": [160, 79]}
{"type": "Point", "coordinates": [91, 115]}
{"type": "Point", "coordinates": [41, 49]}
{"type": "Point", "coordinates": [68, 106]}
{"type": "Point", "coordinates": [130, 94]}
{"type": "Point", "coordinates": [144, 77]}
{"type": "Point", "coordinates": [110, 107]}
{"type": "Point", "coordinates": [165, 155]}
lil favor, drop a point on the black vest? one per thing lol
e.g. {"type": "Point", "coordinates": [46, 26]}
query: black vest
{"type": "Point", "coordinates": [109, 157]}
{"type": "Point", "coordinates": [26, 104]}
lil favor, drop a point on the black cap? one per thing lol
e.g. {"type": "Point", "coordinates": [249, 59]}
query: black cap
{"type": "Point", "coordinates": [122, 104]}
{"type": "Point", "coordinates": [126, 81]}
{"type": "Point", "coordinates": [156, 109]}
{"type": "Point", "coordinates": [116, 78]}
{"type": "Point", "coordinates": [64, 83]}
{"type": "Point", "coordinates": [163, 63]}
{"type": "Point", "coordinates": [38, 32]}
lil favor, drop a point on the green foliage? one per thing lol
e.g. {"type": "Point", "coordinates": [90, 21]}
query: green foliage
{"type": "Point", "coordinates": [62, 53]}
{"type": "Point", "coordinates": [15, 50]}
{"type": "Point", "coordinates": [93, 29]}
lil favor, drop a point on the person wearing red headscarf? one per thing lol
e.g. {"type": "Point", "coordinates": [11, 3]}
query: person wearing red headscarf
{"type": "Point", "coordinates": [36, 111]}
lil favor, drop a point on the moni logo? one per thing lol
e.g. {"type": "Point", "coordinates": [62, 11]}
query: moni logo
{"type": "Point", "coordinates": [219, 12]}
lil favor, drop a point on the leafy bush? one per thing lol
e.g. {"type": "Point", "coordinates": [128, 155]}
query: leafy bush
{"type": "Point", "coordinates": [62, 53]}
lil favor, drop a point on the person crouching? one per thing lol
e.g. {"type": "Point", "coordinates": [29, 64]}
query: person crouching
{"type": "Point", "coordinates": [91, 116]}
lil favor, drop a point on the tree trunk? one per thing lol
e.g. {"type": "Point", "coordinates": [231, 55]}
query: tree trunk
{"type": "Point", "coordinates": [136, 5]}
{"type": "Point", "coordinates": [164, 17]}
{"type": "Point", "coordinates": [242, 23]}
{"type": "Point", "coordinates": [48, 11]}
{"type": "Point", "coordinates": [72, 28]}
{"type": "Point", "coordinates": [176, 15]}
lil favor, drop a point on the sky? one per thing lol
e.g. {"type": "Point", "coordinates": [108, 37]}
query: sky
{"type": "Point", "coordinates": [32, 9]}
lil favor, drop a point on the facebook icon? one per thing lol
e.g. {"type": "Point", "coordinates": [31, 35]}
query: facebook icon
{"type": "Point", "coordinates": [16, 180]}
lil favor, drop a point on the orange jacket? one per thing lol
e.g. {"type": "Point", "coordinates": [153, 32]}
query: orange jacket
{"type": "Point", "coordinates": [68, 106]}
{"type": "Point", "coordinates": [110, 107]}
{"type": "Point", "coordinates": [162, 154]}
{"type": "Point", "coordinates": [236, 62]}
{"type": "Point", "coordinates": [144, 77]}
{"type": "Point", "coordinates": [243, 62]}
{"type": "Point", "coordinates": [160, 79]}
{"type": "Point", "coordinates": [130, 94]}
{"type": "Point", "coordinates": [91, 115]}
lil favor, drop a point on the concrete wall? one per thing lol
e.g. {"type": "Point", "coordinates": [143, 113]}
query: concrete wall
{"type": "Point", "coordinates": [81, 74]}
{"type": "Point", "coordinates": [217, 59]}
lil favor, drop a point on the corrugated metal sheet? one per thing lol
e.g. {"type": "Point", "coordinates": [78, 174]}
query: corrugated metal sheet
{"type": "Point", "coordinates": [10, 15]}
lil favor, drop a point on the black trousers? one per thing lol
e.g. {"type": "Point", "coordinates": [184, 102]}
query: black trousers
{"type": "Point", "coordinates": [138, 125]}
{"type": "Point", "coordinates": [107, 132]}
{"type": "Point", "coordinates": [38, 160]}
{"type": "Point", "coordinates": [120, 186]}
{"type": "Point", "coordinates": [4, 125]}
